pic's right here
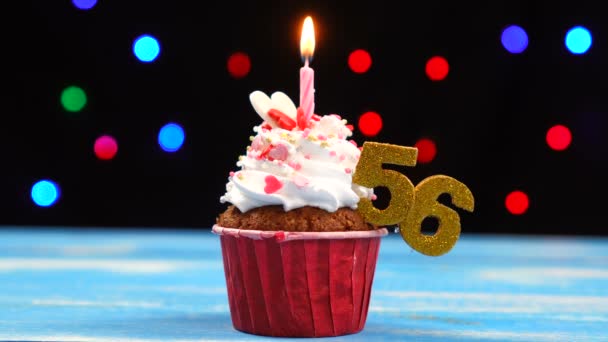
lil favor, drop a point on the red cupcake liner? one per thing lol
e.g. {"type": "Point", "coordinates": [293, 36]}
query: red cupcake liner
{"type": "Point", "coordinates": [299, 284]}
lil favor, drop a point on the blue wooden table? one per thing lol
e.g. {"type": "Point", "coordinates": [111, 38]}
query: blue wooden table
{"type": "Point", "coordinates": [138, 285]}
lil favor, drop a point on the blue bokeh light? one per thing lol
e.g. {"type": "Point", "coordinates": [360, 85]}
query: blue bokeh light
{"type": "Point", "coordinates": [146, 48]}
{"type": "Point", "coordinates": [578, 40]}
{"type": "Point", "coordinates": [84, 4]}
{"type": "Point", "coordinates": [514, 39]}
{"type": "Point", "coordinates": [45, 193]}
{"type": "Point", "coordinates": [171, 137]}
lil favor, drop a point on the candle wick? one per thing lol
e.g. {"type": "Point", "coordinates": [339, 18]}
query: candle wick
{"type": "Point", "coordinates": [306, 62]}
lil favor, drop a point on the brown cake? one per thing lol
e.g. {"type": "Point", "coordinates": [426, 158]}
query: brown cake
{"type": "Point", "coordinates": [305, 219]}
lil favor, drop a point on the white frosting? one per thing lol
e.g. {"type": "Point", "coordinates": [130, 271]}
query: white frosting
{"type": "Point", "coordinates": [311, 166]}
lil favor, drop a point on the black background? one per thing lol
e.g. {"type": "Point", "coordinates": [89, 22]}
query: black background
{"type": "Point", "coordinates": [489, 117]}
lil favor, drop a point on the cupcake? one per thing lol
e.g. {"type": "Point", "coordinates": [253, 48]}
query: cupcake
{"type": "Point", "coordinates": [299, 259]}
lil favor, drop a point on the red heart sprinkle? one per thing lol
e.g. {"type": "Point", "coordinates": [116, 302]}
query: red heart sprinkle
{"type": "Point", "coordinates": [272, 184]}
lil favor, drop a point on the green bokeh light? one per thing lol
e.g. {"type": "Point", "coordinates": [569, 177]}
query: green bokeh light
{"type": "Point", "coordinates": [73, 99]}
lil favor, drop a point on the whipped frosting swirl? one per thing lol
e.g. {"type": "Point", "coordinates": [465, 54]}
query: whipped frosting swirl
{"type": "Point", "coordinates": [296, 163]}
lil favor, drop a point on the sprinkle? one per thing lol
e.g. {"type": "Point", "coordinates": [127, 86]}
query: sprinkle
{"type": "Point", "coordinates": [336, 116]}
{"type": "Point", "coordinates": [316, 117]}
{"type": "Point", "coordinates": [295, 166]}
{"type": "Point", "coordinates": [241, 157]}
{"type": "Point", "coordinates": [342, 157]}
{"type": "Point", "coordinates": [350, 127]}
{"type": "Point", "coordinates": [332, 153]}
{"type": "Point", "coordinates": [321, 137]}
{"type": "Point", "coordinates": [301, 118]}
{"type": "Point", "coordinates": [324, 144]}
{"type": "Point", "coordinates": [272, 184]}
{"type": "Point", "coordinates": [305, 133]}
{"type": "Point", "coordinates": [307, 156]}
{"type": "Point", "coordinates": [265, 152]}
{"type": "Point", "coordinates": [231, 173]}
{"type": "Point", "coordinates": [279, 152]}
{"type": "Point", "coordinates": [353, 142]}
{"type": "Point", "coordinates": [311, 138]}
{"type": "Point", "coordinates": [251, 137]}
{"type": "Point", "coordinates": [240, 176]}
{"type": "Point", "coordinates": [300, 181]}
{"type": "Point", "coordinates": [331, 135]}
{"type": "Point", "coordinates": [374, 197]}
{"type": "Point", "coordinates": [282, 119]}
{"type": "Point", "coordinates": [348, 170]}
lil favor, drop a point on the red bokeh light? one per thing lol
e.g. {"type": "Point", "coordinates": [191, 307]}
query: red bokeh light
{"type": "Point", "coordinates": [517, 202]}
{"type": "Point", "coordinates": [239, 65]}
{"type": "Point", "coordinates": [105, 147]}
{"type": "Point", "coordinates": [370, 123]}
{"type": "Point", "coordinates": [559, 137]}
{"type": "Point", "coordinates": [359, 61]}
{"type": "Point", "coordinates": [437, 68]}
{"type": "Point", "coordinates": [426, 150]}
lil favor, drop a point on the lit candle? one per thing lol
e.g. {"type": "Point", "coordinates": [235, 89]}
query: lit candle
{"type": "Point", "coordinates": [307, 74]}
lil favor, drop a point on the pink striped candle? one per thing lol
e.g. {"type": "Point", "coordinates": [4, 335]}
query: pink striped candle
{"type": "Point", "coordinates": [307, 74]}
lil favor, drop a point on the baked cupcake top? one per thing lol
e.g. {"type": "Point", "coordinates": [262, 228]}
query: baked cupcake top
{"type": "Point", "coordinates": [294, 161]}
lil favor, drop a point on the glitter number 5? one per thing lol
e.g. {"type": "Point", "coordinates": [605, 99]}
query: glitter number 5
{"type": "Point", "coordinates": [369, 173]}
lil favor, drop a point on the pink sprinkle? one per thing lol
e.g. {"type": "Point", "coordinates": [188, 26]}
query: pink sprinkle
{"type": "Point", "coordinates": [348, 170]}
{"type": "Point", "coordinates": [374, 197]}
{"type": "Point", "coordinates": [353, 142]}
{"type": "Point", "coordinates": [307, 156]}
{"type": "Point", "coordinates": [332, 153]}
{"type": "Point", "coordinates": [231, 173]}
{"type": "Point", "coordinates": [257, 143]}
{"type": "Point", "coordinates": [300, 181]}
{"type": "Point", "coordinates": [342, 157]}
{"type": "Point", "coordinates": [321, 137]}
{"type": "Point", "coordinates": [340, 136]}
{"type": "Point", "coordinates": [337, 116]}
{"type": "Point", "coordinates": [305, 133]}
{"type": "Point", "coordinates": [278, 152]}
{"type": "Point", "coordinates": [294, 165]}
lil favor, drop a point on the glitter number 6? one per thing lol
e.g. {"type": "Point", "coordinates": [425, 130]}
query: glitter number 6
{"type": "Point", "coordinates": [426, 205]}
{"type": "Point", "coordinates": [369, 173]}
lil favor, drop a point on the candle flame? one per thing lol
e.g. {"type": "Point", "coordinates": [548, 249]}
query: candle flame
{"type": "Point", "coordinates": [307, 41]}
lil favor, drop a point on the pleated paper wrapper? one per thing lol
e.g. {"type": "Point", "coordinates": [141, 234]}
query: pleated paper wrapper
{"type": "Point", "coordinates": [299, 284]}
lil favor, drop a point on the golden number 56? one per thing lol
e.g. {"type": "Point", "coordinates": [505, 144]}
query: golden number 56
{"type": "Point", "coordinates": [409, 205]}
